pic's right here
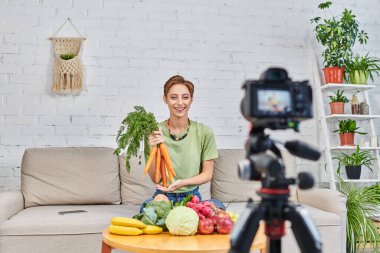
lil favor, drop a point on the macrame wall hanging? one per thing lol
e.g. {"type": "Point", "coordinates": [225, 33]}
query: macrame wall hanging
{"type": "Point", "coordinates": [68, 68]}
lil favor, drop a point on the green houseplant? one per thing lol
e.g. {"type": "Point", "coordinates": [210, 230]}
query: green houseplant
{"type": "Point", "coordinates": [338, 35]}
{"type": "Point", "coordinates": [337, 102]}
{"type": "Point", "coordinates": [347, 129]}
{"type": "Point", "coordinates": [67, 57]}
{"type": "Point", "coordinates": [359, 68]}
{"type": "Point", "coordinates": [361, 204]}
{"type": "Point", "coordinates": [354, 162]}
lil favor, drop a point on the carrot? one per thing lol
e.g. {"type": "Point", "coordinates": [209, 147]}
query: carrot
{"type": "Point", "coordinates": [165, 155]}
{"type": "Point", "coordinates": [157, 166]}
{"type": "Point", "coordinates": [152, 154]}
{"type": "Point", "coordinates": [170, 176]}
{"type": "Point", "coordinates": [163, 174]}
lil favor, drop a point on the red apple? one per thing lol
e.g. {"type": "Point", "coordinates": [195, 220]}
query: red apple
{"type": "Point", "coordinates": [206, 203]}
{"type": "Point", "coordinates": [206, 211]}
{"type": "Point", "coordinates": [205, 226]}
{"type": "Point", "coordinates": [194, 199]}
{"type": "Point", "coordinates": [223, 214]}
{"type": "Point", "coordinates": [201, 216]}
{"type": "Point", "coordinates": [215, 219]}
{"type": "Point", "coordinates": [224, 225]}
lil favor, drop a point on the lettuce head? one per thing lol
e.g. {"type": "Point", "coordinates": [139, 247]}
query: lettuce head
{"type": "Point", "coordinates": [182, 221]}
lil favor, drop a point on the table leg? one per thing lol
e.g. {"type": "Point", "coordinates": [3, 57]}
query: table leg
{"type": "Point", "coordinates": [106, 248]}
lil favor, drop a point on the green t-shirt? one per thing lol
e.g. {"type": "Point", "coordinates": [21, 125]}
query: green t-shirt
{"type": "Point", "coordinates": [187, 154]}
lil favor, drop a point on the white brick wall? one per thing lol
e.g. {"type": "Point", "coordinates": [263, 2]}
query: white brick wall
{"type": "Point", "coordinates": [132, 47]}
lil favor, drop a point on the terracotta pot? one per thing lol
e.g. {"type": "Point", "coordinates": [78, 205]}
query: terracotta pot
{"type": "Point", "coordinates": [347, 139]}
{"type": "Point", "coordinates": [334, 74]}
{"type": "Point", "coordinates": [353, 172]}
{"type": "Point", "coordinates": [359, 77]}
{"type": "Point", "coordinates": [337, 107]}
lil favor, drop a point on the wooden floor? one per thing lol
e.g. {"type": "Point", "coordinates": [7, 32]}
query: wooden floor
{"type": "Point", "coordinates": [368, 249]}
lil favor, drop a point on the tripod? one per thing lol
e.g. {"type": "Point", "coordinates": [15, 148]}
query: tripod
{"type": "Point", "coordinates": [274, 208]}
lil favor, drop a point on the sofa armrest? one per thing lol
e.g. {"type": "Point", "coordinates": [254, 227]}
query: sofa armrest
{"type": "Point", "coordinates": [325, 199]}
{"type": "Point", "coordinates": [12, 202]}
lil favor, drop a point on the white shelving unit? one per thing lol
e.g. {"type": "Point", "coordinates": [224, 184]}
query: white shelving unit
{"type": "Point", "coordinates": [353, 148]}
{"type": "Point", "coordinates": [356, 117]}
{"type": "Point", "coordinates": [332, 148]}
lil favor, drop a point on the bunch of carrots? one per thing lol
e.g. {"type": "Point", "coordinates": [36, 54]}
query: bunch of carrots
{"type": "Point", "coordinates": [163, 162]}
{"type": "Point", "coordinates": [134, 128]}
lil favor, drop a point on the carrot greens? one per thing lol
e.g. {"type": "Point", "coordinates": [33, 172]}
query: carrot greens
{"type": "Point", "coordinates": [137, 125]}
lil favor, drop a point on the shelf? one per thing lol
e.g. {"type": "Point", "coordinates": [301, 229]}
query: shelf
{"type": "Point", "coordinates": [359, 180]}
{"type": "Point", "coordinates": [330, 146]}
{"type": "Point", "coordinates": [352, 116]}
{"type": "Point", "coordinates": [353, 148]}
{"type": "Point", "coordinates": [353, 87]}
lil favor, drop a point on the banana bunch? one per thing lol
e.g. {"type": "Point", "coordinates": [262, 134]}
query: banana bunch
{"type": "Point", "coordinates": [234, 216]}
{"type": "Point", "coordinates": [129, 226]}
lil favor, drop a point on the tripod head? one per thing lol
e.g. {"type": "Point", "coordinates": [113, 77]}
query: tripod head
{"type": "Point", "coordinates": [259, 165]}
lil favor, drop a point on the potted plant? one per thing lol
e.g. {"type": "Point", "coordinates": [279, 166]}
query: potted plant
{"type": "Point", "coordinates": [337, 102]}
{"type": "Point", "coordinates": [359, 68]}
{"type": "Point", "coordinates": [361, 203]}
{"type": "Point", "coordinates": [338, 35]}
{"type": "Point", "coordinates": [67, 57]}
{"type": "Point", "coordinates": [347, 129]}
{"type": "Point", "coordinates": [353, 163]}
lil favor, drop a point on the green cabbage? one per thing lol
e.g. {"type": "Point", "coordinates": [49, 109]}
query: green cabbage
{"type": "Point", "coordinates": [182, 221]}
{"type": "Point", "coordinates": [162, 208]}
{"type": "Point", "coordinates": [154, 213]}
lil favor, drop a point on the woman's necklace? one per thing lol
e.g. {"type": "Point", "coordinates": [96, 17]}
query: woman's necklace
{"type": "Point", "coordinates": [175, 137]}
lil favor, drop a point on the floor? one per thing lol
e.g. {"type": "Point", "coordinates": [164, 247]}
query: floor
{"type": "Point", "coordinates": [368, 250]}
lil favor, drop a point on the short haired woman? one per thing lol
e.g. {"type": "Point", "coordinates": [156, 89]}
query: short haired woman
{"type": "Point", "coordinates": [191, 145]}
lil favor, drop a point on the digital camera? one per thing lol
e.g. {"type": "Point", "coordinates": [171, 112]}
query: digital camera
{"type": "Point", "coordinates": [275, 101]}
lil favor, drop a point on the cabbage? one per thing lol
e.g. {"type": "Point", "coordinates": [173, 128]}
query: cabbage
{"type": "Point", "coordinates": [182, 221]}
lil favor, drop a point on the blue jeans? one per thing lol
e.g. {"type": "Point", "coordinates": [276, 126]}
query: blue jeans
{"type": "Point", "coordinates": [178, 197]}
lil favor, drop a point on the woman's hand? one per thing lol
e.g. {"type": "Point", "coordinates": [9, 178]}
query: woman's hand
{"type": "Point", "coordinates": [176, 185]}
{"type": "Point", "coordinates": [156, 138]}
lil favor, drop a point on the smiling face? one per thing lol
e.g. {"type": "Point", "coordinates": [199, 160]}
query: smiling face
{"type": "Point", "coordinates": [178, 100]}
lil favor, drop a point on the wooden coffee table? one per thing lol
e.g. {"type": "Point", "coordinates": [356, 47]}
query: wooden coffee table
{"type": "Point", "coordinates": [167, 243]}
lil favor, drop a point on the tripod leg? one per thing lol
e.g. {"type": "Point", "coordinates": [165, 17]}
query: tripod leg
{"type": "Point", "coordinates": [274, 245]}
{"type": "Point", "coordinates": [304, 230]}
{"type": "Point", "coordinates": [245, 229]}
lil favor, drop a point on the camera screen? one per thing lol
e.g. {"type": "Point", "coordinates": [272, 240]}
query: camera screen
{"type": "Point", "coordinates": [274, 101]}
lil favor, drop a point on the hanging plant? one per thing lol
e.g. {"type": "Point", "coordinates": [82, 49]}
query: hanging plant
{"type": "Point", "coordinates": [67, 56]}
{"type": "Point", "coordinates": [68, 68]}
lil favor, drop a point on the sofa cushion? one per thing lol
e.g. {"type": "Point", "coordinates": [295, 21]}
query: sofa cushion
{"type": "Point", "coordinates": [45, 220]}
{"type": "Point", "coordinates": [318, 216]}
{"type": "Point", "coordinates": [83, 243]}
{"type": "Point", "coordinates": [226, 185]}
{"type": "Point", "coordinates": [62, 176]}
{"type": "Point", "coordinates": [136, 188]}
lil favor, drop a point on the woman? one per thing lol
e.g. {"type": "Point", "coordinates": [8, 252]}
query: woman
{"type": "Point", "coordinates": [191, 145]}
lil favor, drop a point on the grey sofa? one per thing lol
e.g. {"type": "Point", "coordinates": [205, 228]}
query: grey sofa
{"type": "Point", "coordinates": [95, 181]}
